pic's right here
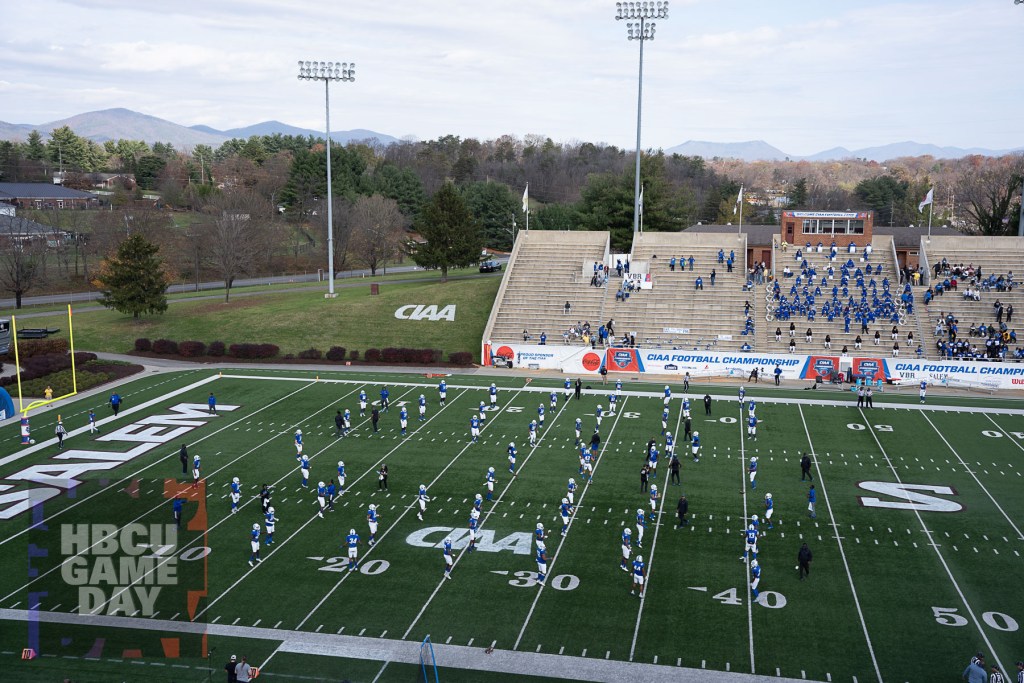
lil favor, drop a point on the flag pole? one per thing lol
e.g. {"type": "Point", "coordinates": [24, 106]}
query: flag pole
{"type": "Point", "coordinates": [739, 206]}
{"type": "Point", "coordinates": [930, 221]}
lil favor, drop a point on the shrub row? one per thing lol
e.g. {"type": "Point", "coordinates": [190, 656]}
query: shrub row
{"type": "Point", "coordinates": [40, 347]}
{"type": "Point", "coordinates": [191, 349]}
{"type": "Point", "coordinates": [35, 367]}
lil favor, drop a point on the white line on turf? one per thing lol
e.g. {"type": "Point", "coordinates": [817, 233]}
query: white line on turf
{"type": "Point", "coordinates": [487, 516]}
{"type": "Point", "coordinates": [842, 551]}
{"type": "Point", "coordinates": [746, 563]}
{"type": "Point", "coordinates": [551, 565]}
{"type": "Point", "coordinates": [409, 507]}
{"type": "Point", "coordinates": [935, 547]}
{"type": "Point", "coordinates": [161, 505]}
{"type": "Point", "coordinates": [654, 544]}
{"type": "Point", "coordinates": [250, 500]}
{"type": "Point", "coordinates": [974, 476]}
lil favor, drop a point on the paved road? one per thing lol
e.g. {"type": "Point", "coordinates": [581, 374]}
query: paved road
{"type": "Point", "coordinates": [79, 297]}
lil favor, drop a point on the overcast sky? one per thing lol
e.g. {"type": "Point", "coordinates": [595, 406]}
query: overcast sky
{"type": "Point", "coordinates": [803, 75]}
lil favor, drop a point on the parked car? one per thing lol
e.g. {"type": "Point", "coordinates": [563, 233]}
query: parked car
{"type": "Point", "coordinates": [490, 267]}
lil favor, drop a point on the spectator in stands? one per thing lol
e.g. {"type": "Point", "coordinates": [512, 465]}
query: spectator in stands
{"type": "Point", "coordinates": [810, 335]}
{"type": "Point", "coordinates": [778, 334]}
{"type": "Point", "coordinates": [625, 266]}
{"type": "Point", "coordinates": [713, 277]}
{"type": "Point", "coordinates": [1009, 313]}
{"type": "Point", "coordinates": [910, 338]}
{"type": "Point", "coordinates": [746, 308]}
{"type": "Point", "coordinates": [567, 308]}
{"type": "Point", "coordinates": [721, 256]}
{"type": "Point", "coordinates": [672, 263]}
{"type": "Point", "coordinates": [526, 335]}
{"type": "Point", "coordinates": [828, 342]}
{"type": "Point", "coordinates": [845, 352]}
{"type": "Point", "coordinates": [690, 261]}
{"type": "Point", "coordinates": [618, 266]}
{"type": "Point", "coordinates": [620, 295]}
{"type": "Point", "coordinates": [792, 345]}
{"type": "Point", "coordinates": [792, 330]}
{"type": "Point", "coordinates": [543, 338]}
{"type": "Point", "coordinates": [611, 326]}
{"type": "Point", "coordinates": [857, 342]}
{"type": "Point", "coordinates": [699, 282]}
{"type": "Point", "coordinates": [565, 337]}
{"type": "Point", "coordinates": [895, 333]}
{"type": "Point", "coordinates": [878, 338]}
{"type": "Point", "coordinates": [896, 350]}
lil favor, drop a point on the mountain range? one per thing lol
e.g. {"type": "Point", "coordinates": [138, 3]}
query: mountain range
{"type": "Point", "coordinates": [112, 124]}
{"type": "Point", "coordinates": [759, 150]}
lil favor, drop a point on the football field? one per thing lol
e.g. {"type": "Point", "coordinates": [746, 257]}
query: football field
{"type": "Point", "coordinates": [916, 542]}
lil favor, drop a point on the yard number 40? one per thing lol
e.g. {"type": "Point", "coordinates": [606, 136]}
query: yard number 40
{"type": "Point", "coordinates": [947, 616]}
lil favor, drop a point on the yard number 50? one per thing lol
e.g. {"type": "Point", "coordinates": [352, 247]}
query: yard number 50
{"type": "Point", "coordinates": [947, 616]}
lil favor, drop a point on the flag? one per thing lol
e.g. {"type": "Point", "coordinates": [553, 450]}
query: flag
{"type": "Point", "coordinates": [927, 200]}
{"type": "Point", "coordinates": [526, 198]}
{"type": "Point", "coordinates": [739, 201]}
{"type": "Point", "coordinates": [640, 204]}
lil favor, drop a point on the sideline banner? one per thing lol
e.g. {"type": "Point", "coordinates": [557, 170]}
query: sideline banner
{"type": "Point", "coordinates": [819, 366]}
{"type": "Point", "coordinates": [981, 374]}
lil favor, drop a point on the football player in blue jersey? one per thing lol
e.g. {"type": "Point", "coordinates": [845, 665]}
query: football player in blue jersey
{"type": "Point", "coordinates": [236, 493]}
{"type": "Point", "coordinates": [752, 427]}
{"type": "Point", "coordinates": [668, 395]}
{"type": "Point", "coordinates": [627, 549]}
{"type": "Point", "coordinates": [588, 464]}
{"type": "Point", "coordinates": [474, 428]}
{"type": "Point", "coordinates": [304, 470]}
{"type": "Point", "coordinates": [352, 543]}
{"type": "Point", "coordinates": [321, 498]}
{"type": "Point", "coordinates": [270, 524]}
{"type": "Point", "coordinates": [196, 470]}
{"type": "Point", "coordinates": [567, 389]}
{"type": "Point", "coordinates": [542, 566]}
{"type": "Point", "coordinates": [362, 403]}
{"type": "Point", "coordinates": [346, 422]}
{"type": "Point", "coordinates": [331, 492]}
{"type": "Point", "coordinates": [670, 445]}
{"type": "Point", "coordinates": [757, 524]}
{"type": "Point", "coordinates": [494, 396]}
{"type": "Point", "coordinates": [638, 575]}
{"type": "Point", "coordinates": [489, 483]}
{"type": "Point", "coordinates": [341, 477]}
{"type": "Point", "coordinates": [686, 407]}
{"type": "Point", "coordinates": [923, 391]}
{"type": "Point", "coordinates": [579, 430]}
{"type": "Point", "coordinates": [540, 536]}
{"type": "Point", "coordinates": [618, 388]}
{"type": "Point", "coordinates": [442, 392]}
{"type": "Point", "coordinates": [571, 492]}
{"type": "Point", "coordinates": [385, 399]}
{"type": "Point", "coordinates": [769, 510]}
{"type": "Point", "coordinates": [533, 433]}
{"type": "Point", "coordinates": [478, 502]}
{"type": "Point", "coordinates": [448, 559]}
{"type": "Point", "coordinates": [599, 415]}
{"type": "Point", "coordinates": [752, 469]}
{"type": "Point", "coordinates": [695, 446]}
{"type": "Point", "coordinates": [372, 519]}
{"type": "Point", "coordinates": [422, 498]}
{"type": "Point", "coordinates": [254, 545]}
{"type": "Point", "coordinates": [512, 453]}
{"type": "Point", "coordinates": [540, 416]}
{"type": "Point", "coordinates": [612, 398]}
{"type": "Point", "coordinates": [751, 407]}
{"type": "Point", "coordinates": [743, 392]}
{"type": "Point", "coordinates": [755, 578]}
{"type": "Point", "coordinates": [654, 495]}
{"type": "Point", "coordinates": [298, 443]}
{"type": "Point", "coordinates": [641, 525]}
{"type": "Point", "coordinates": [482, 412]}
{"type": "Point", "coordinates": [423, 407]}
{"type": "Point", "coordinates": [750, 548]}
{"type": "Point", "coordinates": [474, 524]}
{"type": "Point", "coordinates": [565, 510]}
{"type": "Point", "coordinates": [553, 401]}
{"type": "Point", "coordinates": [652, 463]}
{"type": "Point", "coordinates": [664, 421]}
{"type": "Point", "coordinates": [403, 419]}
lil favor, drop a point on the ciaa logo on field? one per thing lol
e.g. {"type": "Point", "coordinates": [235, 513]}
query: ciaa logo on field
{"type": "Point", "coordinates": [909, 497]}
{"type": "Point", "coordinates": [424, 312]}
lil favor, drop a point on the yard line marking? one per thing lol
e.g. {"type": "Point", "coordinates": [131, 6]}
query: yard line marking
{"type": "Point", "coordinates": [975, 477]}
{"type": "Point", "coordinates": [938, 553]}
{"type": "Point", "coordinates": [413, 505]}
{"type": "Point", "coordinates": [842, 550]}
{"type": "Point", "coordinates": [562, 543]}
{"type": "Point", "coordinates": [215, 525]}
{"type": "Point", "coordinates": [153, 464]}
{"type": "Point", "coordinates": [487, 515]}
{"type": "Point", "coordinates": [308, 522]}
{"type": "Point", "coordinates": [654, 544]}
{"type": "Point", "coordinates": [746, 562]}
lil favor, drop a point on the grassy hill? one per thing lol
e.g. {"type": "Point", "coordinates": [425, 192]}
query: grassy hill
{"type": "Point", "coordinates": [300, 320]}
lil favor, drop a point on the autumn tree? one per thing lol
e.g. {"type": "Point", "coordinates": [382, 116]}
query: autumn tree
{"type": "Point", "coordinates": [992, 193]}
{"type": "Point", "coordinates": [453, 238]}
{"type": "Point", "coordinates": [238, 236]}
{"type": "Point", "coordinates": [133, 281]}
{"type": "Point", "coordinates": [22, 257]}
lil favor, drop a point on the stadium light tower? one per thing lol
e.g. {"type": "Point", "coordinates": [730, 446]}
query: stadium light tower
{"type": "Point", "coordinates": [640, 26]}
{"type": "Point", "coordinates": [327, 72]}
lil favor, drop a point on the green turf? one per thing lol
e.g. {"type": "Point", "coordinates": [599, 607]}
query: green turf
{"type": "Point", "coordinates": [885, 577]}
{"type": "Point", "coordinates": [296, 321]}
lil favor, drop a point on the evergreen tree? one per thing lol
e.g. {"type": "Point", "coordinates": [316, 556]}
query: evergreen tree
{"type": "Point", "coordinates": [134, 281]}
{"type": "Point", "coordinates": [798, 195]}
{"type": "Point", "coordinates": [36, 147]}
{"type": "Point", "coordinates": [452, 236]}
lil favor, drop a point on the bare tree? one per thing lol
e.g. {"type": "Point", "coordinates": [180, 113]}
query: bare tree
{"type": "Point", "coordinates": [990, 187]}
{"type": "Point", "coordinates": [238, 235]}
{"type": "Point", "coordinates": [377, 227]}
{"type": "Point", "coordinates": [22, 257]}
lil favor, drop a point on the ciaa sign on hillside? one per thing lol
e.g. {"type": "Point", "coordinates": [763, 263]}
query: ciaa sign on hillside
{"type": "Point", "coordinates": [423, 312]}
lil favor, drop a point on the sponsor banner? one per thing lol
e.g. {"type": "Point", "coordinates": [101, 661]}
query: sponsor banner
{"type": "Point", "coordinates": [624, 360]}
{"type": "Point", "coordinates": [961, 373]}
{"type": "Point", "coordinates": [819, 366]}
{"type": "Point", "coordinates": [641, 280]}
{"type": "Point", "coordinates": [702, 363]}
{"type": "Point", "coordinates": [675, 330]}
{"type": "Point", "coordinates": [870, 368]}
{"type": "Point", "coordinates": [827, 214]}
{"type": "Point", "coordinates": [537, 357]}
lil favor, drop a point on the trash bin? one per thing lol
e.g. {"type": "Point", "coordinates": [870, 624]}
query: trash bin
{"type": "Point", "coordinates": [374, 289]}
